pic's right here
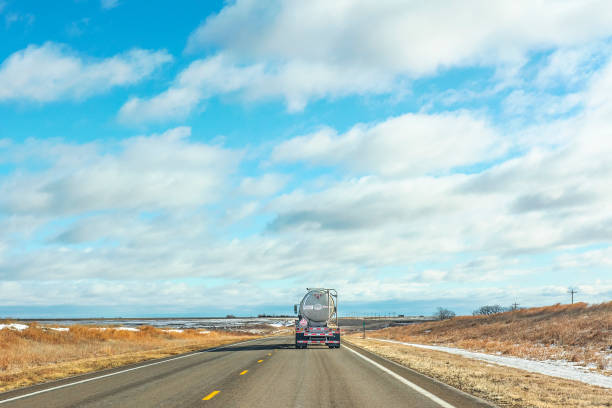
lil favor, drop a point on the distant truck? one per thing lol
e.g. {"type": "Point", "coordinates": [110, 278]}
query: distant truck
{"type": "Point", "coordinates": [317, 320]}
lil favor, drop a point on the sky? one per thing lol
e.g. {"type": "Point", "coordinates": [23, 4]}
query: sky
{"type": "Point", "coordinates": [203, 158]}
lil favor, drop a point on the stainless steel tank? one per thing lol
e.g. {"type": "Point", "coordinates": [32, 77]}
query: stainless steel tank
{"type": "Point", "coordinates": [317, 306]}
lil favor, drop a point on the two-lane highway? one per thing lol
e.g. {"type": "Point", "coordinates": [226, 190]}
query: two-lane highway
{"type": "Point", "coordinates": [262, 373]}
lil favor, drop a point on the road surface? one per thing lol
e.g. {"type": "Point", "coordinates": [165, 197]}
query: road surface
{"type": "Point", "coordinates": [267, 373]}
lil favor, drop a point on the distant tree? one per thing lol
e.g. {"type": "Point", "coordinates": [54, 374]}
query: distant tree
{"type": "Point", "coordinates": [230, 316]}
{"type": "Point", "coordinates": [489, 310]}
{"type": "Point", "coordinates": [443, 314]}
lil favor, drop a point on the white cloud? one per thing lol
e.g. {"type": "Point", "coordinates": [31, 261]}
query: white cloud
{"type": "Point", "coordinates": [533, 105]}
{"type": "Point", "coordinates": [433, 275]}
{"type": "Point", "coordinates": [596, 258]}
{"type": "Point", "coordinates": [304, 51]}
{"type": "Point", "coordinates": [263, 186]}
{"type": "Point", "coordinates": [398, 36]}
{"type": "Point", "coordinates": [297, 82]}
{"type": "Point", "coordinates": [154, 172]}
{"type": "Point", "coordinates": [234, 215]}
{"type": "Point", "coordinates": [171, 104]}
{"type": "Point", "coordinates": [570, 65]}
{"type": "Point", "coordinates": [109, 4]}
{"type": "Point", "coordinates": [550, 197]}
{"type": "Point", "coordinates": [167, 296]}
{"type": "Point", "coordinates": [53, 72]}
{"type": "Point", "coordinates": [396, 221]}
{"type": "Point", "coordinates": [78, 27]}
{"type": "Point", "coordinates": [408, 144]}
{"type": "Point", "coordinates": [201, 79]}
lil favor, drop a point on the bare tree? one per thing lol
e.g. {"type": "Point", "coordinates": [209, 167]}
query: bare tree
{"type": "Point", "coordinates": [443, 314]}
{"type": "Point", "coordinates": [489, 310]}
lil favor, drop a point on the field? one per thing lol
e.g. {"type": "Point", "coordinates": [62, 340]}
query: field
{"type": "Point", "coordinates": [37, 354]}
{"type": "Point", "coordinates": [576, 333]}
{"type": "Point", "coordinates": [505, 387]}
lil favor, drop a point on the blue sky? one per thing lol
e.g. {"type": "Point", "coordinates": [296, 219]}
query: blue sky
{"type": "Point", "coordinates": [219, 157]}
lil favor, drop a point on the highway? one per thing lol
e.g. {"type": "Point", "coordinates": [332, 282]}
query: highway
{"type": "Point", "coordinates": [267, 372]}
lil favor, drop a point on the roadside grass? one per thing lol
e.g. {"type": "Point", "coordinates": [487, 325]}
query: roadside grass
{"type": "Point", "coordinates": [503, 386]}
{"type": "Point", "coordinates": [578, 333]}
{"type": "Point", "coordinates": [38, 354]}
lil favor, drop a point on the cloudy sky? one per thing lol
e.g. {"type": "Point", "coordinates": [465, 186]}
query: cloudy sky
{"type": "Point", "coordinates": [219, 157]}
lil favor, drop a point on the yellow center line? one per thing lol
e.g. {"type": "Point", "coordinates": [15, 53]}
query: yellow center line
{"type": "Point", "coordinates": [210, 396]}
{"type": "Point", "coordinates": [259, 361]}
{"type": "Point", "coordinates": [244, 372]}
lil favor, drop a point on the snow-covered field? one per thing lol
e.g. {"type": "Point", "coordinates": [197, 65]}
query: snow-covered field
{"type": "Point", "coordinates": [554, 368]}
{"type": "Point", "coordinates": [201, 323]}
{"type": "Point", "coordinates": [252, 325]}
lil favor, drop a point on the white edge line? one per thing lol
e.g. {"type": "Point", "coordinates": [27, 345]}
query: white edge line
{"type": "Point", "coordinates": [415, 387]}
{"type": "Point", "coordinates": [119, 372]}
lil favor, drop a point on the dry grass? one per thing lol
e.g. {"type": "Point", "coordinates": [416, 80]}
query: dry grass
{"type": "Point", "coordinates": [503, 386]}
{"type": "Point", "coordinates": [39, 354]}
{"type": "Point", "coordinates": [577, 333]}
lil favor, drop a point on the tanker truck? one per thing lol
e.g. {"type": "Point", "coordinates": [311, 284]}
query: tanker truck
{"type": "Point", "coordinates": [317, 320]}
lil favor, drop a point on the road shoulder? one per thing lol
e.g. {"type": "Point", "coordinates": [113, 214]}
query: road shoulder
{"type": "Point", "coordinates": [447, 393]}
{"type": "Point", "coordinates": [502, 386]}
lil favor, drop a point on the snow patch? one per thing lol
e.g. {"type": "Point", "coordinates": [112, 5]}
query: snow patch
{"type": "Point", "coordinates": [254, 331]}
{"type": "Point", "coordinates": [132, 329]}
{"type": "Point", "coordinates": [14, 326]}
{"type": "Point", "coordinates": [553, 368]}
{"type": "Point", "coordinates": [60, 329]}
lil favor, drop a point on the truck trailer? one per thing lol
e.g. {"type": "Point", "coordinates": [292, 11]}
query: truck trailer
{"type": "Point", "coordinates": [317, 319]}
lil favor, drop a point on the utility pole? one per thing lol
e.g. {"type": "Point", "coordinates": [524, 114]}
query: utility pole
{"type": "Point", "coordinates": [572, 291]}
{"type": "Point", "coordinates": [515, 306]}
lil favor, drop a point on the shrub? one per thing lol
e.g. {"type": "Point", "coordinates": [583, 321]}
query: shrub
{"type": "Point", "coordinates": [443, 314]}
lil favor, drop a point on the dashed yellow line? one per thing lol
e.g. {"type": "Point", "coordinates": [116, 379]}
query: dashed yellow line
{"type": "Point", "coordinates": [259, 361]}
{"type": "Point", "coordinates": [210, 396]}
{"type": "Point", "coordinates": [244, 372]}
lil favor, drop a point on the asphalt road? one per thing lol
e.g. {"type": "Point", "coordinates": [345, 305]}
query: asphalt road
{"type": "Point", "coordinates": [267, 373]}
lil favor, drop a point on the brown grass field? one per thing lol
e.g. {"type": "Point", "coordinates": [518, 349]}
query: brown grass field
{"type": "Point", "coordinates": [503, 386]}
{"type": "Point", "coordinates": [38, 354]}
{"type": "Point", "coordinates": [579, 333]}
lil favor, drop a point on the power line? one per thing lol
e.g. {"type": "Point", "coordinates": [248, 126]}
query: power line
{"type": "Point", "coordinates": [572, 291]}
